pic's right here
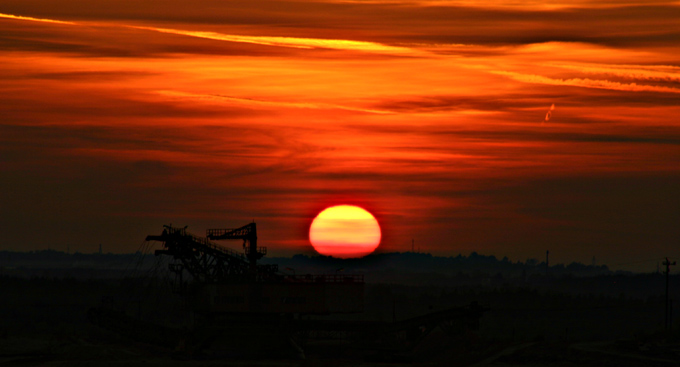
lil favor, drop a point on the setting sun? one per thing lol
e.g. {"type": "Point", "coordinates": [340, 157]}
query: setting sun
{"type": "Point", "coordinates": [344, 231]}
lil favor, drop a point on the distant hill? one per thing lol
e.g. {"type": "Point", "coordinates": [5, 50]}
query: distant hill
{"type": "Point", "coordinates": [473, 265]}
{"type": "Point", "coordinates": [409, 265]}
{"type": "Point", "coordinates": [407, 269]}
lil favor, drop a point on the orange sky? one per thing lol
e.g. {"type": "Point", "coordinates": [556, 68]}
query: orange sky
{"type": "Point", "coordinates": [119, 116]}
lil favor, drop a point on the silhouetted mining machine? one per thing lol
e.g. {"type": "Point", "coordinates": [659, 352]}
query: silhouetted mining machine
{"type": "Point", "coordinates": [253, 308]}
{"type": "Point", "coordinates": [222, 281]}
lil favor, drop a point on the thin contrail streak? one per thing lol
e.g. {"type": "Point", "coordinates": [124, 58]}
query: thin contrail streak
{"type": "Point", "coordinates": [586, 83]}
{"type": "Point", "coordinates": [221, 98]}
{"type": "Point", "coordinates": [547, 115]}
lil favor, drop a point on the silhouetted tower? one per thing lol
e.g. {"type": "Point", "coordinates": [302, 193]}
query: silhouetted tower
{"type": "Point", "coordinates": [668, 264]}
{"type": "Point", "coordinates": [413, 246]}
{"type": "Point", "coordinates": [100, 249]}
{"type": "Point", "coordinates": [547, 261]}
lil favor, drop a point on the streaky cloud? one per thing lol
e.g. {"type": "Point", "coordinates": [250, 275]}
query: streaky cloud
{"type": "Point", "coordinates": [19, 17]}
{"type": "Point", "coordinates": [293, 42]}
{"type": "Point", "coordinates": [529, 5]}
{"type": "Point", "coordinates": [308, 43]}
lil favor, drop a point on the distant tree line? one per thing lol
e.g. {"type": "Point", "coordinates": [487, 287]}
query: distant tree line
{"type": "Point", "coordinates": [473, 265]}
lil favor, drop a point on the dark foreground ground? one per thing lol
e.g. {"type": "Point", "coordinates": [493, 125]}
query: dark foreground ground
{"type": "Point", "coordinates": [89, 352]}
{"type": "Point", "coordinates": [43, 322]}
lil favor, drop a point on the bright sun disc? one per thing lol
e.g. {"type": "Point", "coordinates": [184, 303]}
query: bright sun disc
{"type": "Point", "coordinates": [344, 231]}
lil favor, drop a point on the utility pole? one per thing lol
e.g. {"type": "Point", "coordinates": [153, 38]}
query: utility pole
{"type": "Point", "coordinates": [668, 264]}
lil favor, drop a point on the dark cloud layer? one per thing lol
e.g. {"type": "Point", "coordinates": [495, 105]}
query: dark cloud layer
{"type": "Point", "coordinates": [620, 24]}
